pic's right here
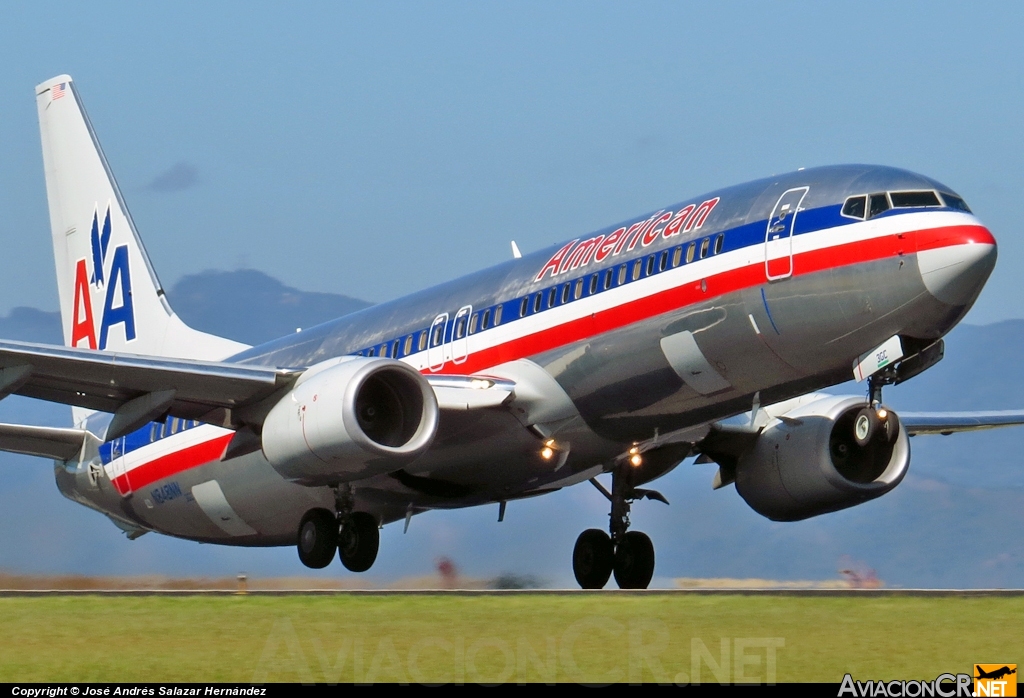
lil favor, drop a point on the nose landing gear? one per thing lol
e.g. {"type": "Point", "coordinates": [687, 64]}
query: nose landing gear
{"type": "Point", "coordinates": [627, 554]}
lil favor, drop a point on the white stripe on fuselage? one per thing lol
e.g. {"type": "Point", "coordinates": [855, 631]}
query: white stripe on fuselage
{"type": "Point", "coordinates": [692, 272]}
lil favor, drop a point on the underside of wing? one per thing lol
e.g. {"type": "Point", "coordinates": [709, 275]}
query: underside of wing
{"type": "Point", "coordinates": [950, 422]}
{"type": "Point", "coordinates": [148, 387]}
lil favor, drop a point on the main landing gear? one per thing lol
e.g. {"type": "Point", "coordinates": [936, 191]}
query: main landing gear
{"type": "Point", "coordinates": [353, 534]}
{"type": "Point", "coordinates": [629, 555]}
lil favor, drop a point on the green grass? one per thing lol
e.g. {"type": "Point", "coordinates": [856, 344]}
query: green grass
{"type": "Point", "coordinates": [441, 638]}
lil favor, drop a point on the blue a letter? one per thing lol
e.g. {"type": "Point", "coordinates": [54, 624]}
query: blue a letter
{"type": "Point", "coordinates": [119, 278]}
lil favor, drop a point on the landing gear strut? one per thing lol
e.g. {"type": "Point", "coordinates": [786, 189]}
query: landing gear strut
{"type": "Point", "coordinates": [874, 419]}
{"type": "Point", "coordinates": [627, 554]}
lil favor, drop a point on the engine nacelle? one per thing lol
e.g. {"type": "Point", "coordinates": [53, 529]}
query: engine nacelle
{"type": "Point", "coordinates": [350, 418]}
{"type": "Point", "coordinates": [808, 462]}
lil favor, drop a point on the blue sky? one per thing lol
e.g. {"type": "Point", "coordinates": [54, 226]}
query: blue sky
{"type": "Point", "coordinates": [374, 149]}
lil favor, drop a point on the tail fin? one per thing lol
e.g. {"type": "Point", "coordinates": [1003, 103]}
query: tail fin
{"type": "Point", "coordinates": [110, 296]}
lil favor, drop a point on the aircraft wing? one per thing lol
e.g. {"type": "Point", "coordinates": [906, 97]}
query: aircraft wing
{"type": "Point", "coordinates": [138, 389]}
{"type": "Point", "coordinates": [135, 388]}
{"type": "Point", "coordinates": [949, 422]}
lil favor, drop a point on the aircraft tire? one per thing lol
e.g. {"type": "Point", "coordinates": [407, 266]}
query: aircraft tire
{"type": "Point", "coordinates": [865, 426]}
{"type": "Point", "coordinates": [592, 559]}
{"type": "Point", "coordinates": [634, 561]}
{"type": "Point", "coordinates": [317, 538]}
{"type": "Point", "coordinates": [891, 428]}
{"type": "Point", "coordinates": [358, 542]}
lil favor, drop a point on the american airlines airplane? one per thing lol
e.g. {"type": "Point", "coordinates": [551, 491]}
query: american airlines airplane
{"type": "Point", "coordinates": [704, 328]}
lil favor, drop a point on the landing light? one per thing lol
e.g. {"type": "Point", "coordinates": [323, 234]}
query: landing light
{"type": "Point", "coordinates": [547, 453]}
{"type": "Point", "coordinates": [480, 384]}
{"type": "Point", "coordinates": [635, 460]}
{"type": "Point", "coordinates": [882, 413]}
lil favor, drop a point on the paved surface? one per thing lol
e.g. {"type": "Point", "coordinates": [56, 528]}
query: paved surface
{"type": "Point", "coordinates": [517, 592]}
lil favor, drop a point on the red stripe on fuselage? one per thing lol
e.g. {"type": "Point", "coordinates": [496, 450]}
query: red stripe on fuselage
{"type": "Point", "coordinates": [859, 252]}
{"type": "Point", "coordinates": [172, 464]}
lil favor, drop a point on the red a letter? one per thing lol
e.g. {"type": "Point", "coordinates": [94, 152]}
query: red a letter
{"type": "Point", "coordinates": [82, 326]}
{"type": "Point", "coordinates": [555, 261]}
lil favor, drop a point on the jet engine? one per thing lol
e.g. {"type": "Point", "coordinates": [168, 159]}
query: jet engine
{"type": "Point", "coordinates": [829, 454]}
{"type": "Point", "coordinates": [350, 418]}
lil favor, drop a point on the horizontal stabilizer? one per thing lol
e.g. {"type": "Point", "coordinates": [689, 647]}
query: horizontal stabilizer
{"type": "Point", "coordinates": [47, 442]}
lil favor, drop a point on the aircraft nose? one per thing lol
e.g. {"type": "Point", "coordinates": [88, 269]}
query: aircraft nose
{"type": "Point", "coordinates": [954, 271]}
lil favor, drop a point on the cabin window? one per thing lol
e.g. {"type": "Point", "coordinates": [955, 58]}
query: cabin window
{"type": "Point", "coordinates": [607, 279]}
{"type": "Point", "coordinates": [384, 350]}
{"type": "Point", "coordinates": [437, 337]}
{"type": "Point", "coordinates": [593, 284]}
{"type": "Point", "coordinates": [497, 316]}
{"type": "Point", "coordinates": [855, 207]}
{"type": "Point", "coordinates": [637, 266]}
{"type": "Point", "coordinates": [622, 275]}
{"type": "Point", "coordinates": [650, 265]}
{"type": "Point", "coordinates": [578, 293]}
{"type": "Point", "coordinates": [536, 302]}
{"type": "Point", "coordinates": [677, 257]}
{"type": "Point", "coordinates": [663, 261]}
{"type": "Point", "coordinates": [408, 345]}
{"type": "Point", "coordinates": [914, 199]}
{"type": "Point", "coordinates": [565, 292]}
{"type": "Point", "coordinates": [460, 327]}
{"type": "Point", "coordinates": [552, 297]}
{"type": "Point", "coordinates": [689, 252]}
{"type": "Point", "coordinates": [954, 201]}
{"type": "Point", "coordinates": [719, 243]}
{"type": "Point", "coordinates": [485, 320]}
{"type": "Point", "coordinates": [705, 243]}
{"type": "Point", "coordinates": [369, 352]}
{"type": "Point", "coordinates": [423, 340]}
{"type": "Point", "coordinates": [879, 203]}
{"type": "Point", "coordinates": [523, 306]}
{"type": "Point", "coordinates": [473, 322]}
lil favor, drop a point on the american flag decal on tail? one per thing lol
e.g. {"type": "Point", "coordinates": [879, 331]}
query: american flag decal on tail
{"type": "Point", "coordinates": [57, 91]}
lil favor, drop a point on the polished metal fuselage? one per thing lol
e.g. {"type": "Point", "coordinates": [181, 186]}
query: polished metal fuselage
{"type": "Point", "coordinates": [696, 344]}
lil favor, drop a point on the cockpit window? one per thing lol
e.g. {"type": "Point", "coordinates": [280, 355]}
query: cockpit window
{"type": "Point", "coordinates": [855, 207]}
{"type": "Point", "coordinates": [913, 199]}
{"type": "Point", "coordinates": [954, 201]}
{"type": "Point", "coordinates": [879, 204]}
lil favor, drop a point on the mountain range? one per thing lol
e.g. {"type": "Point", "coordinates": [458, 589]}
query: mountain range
{"type": "Point", "coordinates": [955, 521]}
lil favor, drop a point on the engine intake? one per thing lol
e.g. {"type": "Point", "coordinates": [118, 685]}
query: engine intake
{"type": "Point", "coordinates": [350, 418]}
{"type": "Point", "coordinates": [808, 462]}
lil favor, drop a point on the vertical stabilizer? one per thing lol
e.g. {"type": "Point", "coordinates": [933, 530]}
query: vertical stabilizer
{"type": "Point", "coordinates": [110, 296]}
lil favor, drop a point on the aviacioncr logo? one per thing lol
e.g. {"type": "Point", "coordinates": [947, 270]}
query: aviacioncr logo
{"type": "Point", "coordinates": [110, 279]}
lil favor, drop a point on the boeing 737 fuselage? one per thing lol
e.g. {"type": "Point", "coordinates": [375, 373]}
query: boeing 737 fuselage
{"type": "Point", "coordinates": [623, 351]}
